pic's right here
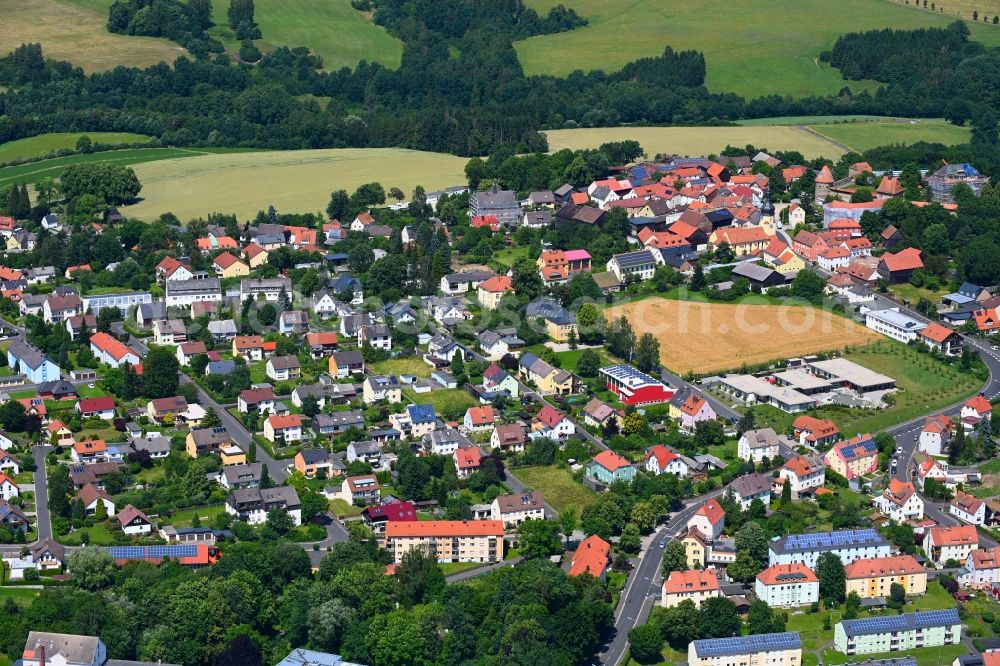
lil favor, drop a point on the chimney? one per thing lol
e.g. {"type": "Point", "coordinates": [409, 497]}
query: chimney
{"type": "Point", "coordinates": [41, 655]}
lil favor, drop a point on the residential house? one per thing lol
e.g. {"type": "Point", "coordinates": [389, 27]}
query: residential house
{"type": "Point", "coordinates": [8, 489]}
{"type": "Point", "coordinates": [945, 340]}
{"type": "Point", "coordinates": [293, 321]}
{"type": "Point", "coordinates": [508, 437]}
{"type": "Point", "coordinates": [322, 344]}
{"type": "Point", "coordinates": [381, 387]}
{"type": "Point", "coordinates": [51, 649]}
{"type": "Point", "coordinates": [968, 508]}
{"type": "Point", "coordinates": [207, 440]}
{"type": "Point", "coordinates": [944, 544]}
{"type": "Point", "coordinates": [814, 432]}
{"type": "Point", "coordinates": [112, 352]}
{"type": "Point", "coordinates": [755, 445]}
{"type": "Point", "coordinates": [415, 421]}
{"type": "Point", "coordinates": [640, 263]}
{"type": "Point", "coordinates": [36, 367]}
{"type": "Point", "coordinates": [174, 407]}
{"type": "Point", "coordinates": [169, 332]}
{"type": "Point", "coordinates": [270, 288]}
{"type": "Point", "coordinates": [9, 463]}
{"type": "Point", "coordinates": [478, 419]}
{"type": "Point", "coordinates": [590, 557]}
{"type": "Point", "coordinates": [332, 424]}
{"type": "Point", "coordinates": [287, 428]}
{"type": "Point", "coordinates": [57, 308]}
{"type": "Point", "coordinates": [187, 351]}
{"type": "Point", "coordinates": [102, 408]}
{"type": "Point", "coordinates": [460, 283]}
{"type": "Point", "coordinates": [133, 521]}
{"type": "Point", "coordinates": [497, 380]}
{"type": "Point", "coordinates": [981, 570]}
{"type": "Point", "coordinates": [253, 504]}
{"type": "Point", "coordinates": [608, 467]}
{"type": "Point", "coordinates": [376, 336]}
{"type": "Point", "coordinates": [899, 267]}
{"type": "Point", "coordinates": [313, 462]}
{"type": "Point", "coordinates": [222, 330]}
{"type": "Point", "coordinates": [709, 520]}
{"type": "Point", "coordinates": [377, 516]}
{"type": "Point", "coordinates": [260, 400]}
{"type": "Point", "coordinates": [227, 265]}
{"type": "Point", "coordinates": [935, 435]}
{"type": "Point", "coordinates": [742, 240]}
{"type": "Point", "coordinates": [343, 364]}
{"type": "Point", "coordinates": [806, 474]}
{"type": "Point", "coordinates": [691, 411]}
{"type": "Point", "coordinates": [853, 458]}
{"type": "Point", "coordinates": [977, 409]}
{"type": "Point", "coordinates": [787, 586]}
{"type": "Point", "coordinates": [90, 495]}
{"type": "Point", "coordinates": [550, 422]}
{"type": "Point", "coordinates": [662, 460]}
{"type": "Point", "coordinates": [749, 487]}
{"type": "Point", "coordinates": [693, 585]}
{"type": "Point", "coordinates": [491, 291]}
{"type": "Point", "coordinates": [549, 380]}
{"type": "Point", "coordinates": [250, 347]}
{"type": "Point", "coordinates": [445, 441]}
{"type": "Point", "coordinates": [900, 502]}
{"type": "Point", "coordinates": [467, 461]}
{"type": "Point", "coordinates": [368, 451]}
{"type": "Point", "coordinates": [600, 414]}
{"type": "Point", "coordinates": [360, 490]}
{"type": "Point", "coordinates": [512, 510]}
{"type": "Point", "coordinates": [283, 368]}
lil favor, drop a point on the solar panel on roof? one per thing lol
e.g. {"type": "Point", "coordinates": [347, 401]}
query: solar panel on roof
{"type": "Point", "coordinates": [152, 552]}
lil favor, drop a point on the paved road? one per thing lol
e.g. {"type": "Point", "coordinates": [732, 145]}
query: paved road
{"type": "Point", "coordinates": [723, 410]}
{"type": "Point", "coordinates": [276, 468]}
{"type": "Point", "coordinates": [43, 519]}
{"type": "Point", "coordinates": [643, 587]}
{"type": "Point", "coordinates": [473, 573]}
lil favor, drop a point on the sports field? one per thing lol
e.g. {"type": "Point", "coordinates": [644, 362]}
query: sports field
{"type": "Point", "coordinates": [73, 30]}
{"type": "Point", "coordinates": [812, 139]}
{"type": "Point", "coordinates": [710, 337]}
{"type": "Point", "coordinates": [752, 49]}
{"type": "Point", "coordinates": [39, 146]}
{"type": "Point", "coordinates": [291, 181]}
{"type": "Point", "coordinates": [32, 172]}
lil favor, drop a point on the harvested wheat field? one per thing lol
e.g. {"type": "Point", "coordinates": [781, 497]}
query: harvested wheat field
{"type": "Point", "coordinates": [710, 337]}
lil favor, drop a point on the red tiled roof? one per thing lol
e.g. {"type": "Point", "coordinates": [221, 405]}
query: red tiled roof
{"type": "Point", "coordinates": [497, 283]}
{"type": "Point", "coordinates": [100, 404]}
{"type": "Point", "coordinates": [954, 536]}
{"type": "Point", "coordinates": [693, 580]}
{"type": "Point", "coordinates": [662, 454]}
{"type": "Point", "coordinates": [468, 458]}
{"type": "Point", "coordinates": [482, 415]}
{"type": "Point", "coordinates": [591, 557]}
{"type": "Point", "coordinates": [287, 421]}
{"type": "Point", "coordinates": [444, 528]}
{"type": "Point", "coordinates": [980, 404]}
{"type": "Point", "coordinates": [874, 567]}
{"type": "Point", "coordinates": [611, 461]}
{"type": "Point", "coordinates": [904, 260]}
{"type": "Point", "coordinates": [936, 332]}
{"type": "Point", "coordinates": [825, 176]}
{"type": "Point", "coordinates": [800, 572]}
{"type": "Point", "coordinates": [711, 510]}
{"type": "Point", "coordinates": [117, 349]}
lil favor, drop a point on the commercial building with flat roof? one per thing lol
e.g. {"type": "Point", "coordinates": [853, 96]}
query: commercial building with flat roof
{"type": "Point", "coordinates": [750, 389]}
{"type": "Point", "coordinates": [848, 374]}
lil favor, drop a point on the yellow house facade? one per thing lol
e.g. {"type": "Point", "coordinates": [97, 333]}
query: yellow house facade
{"type": "Point", "coordinates": [559, 330]}
{"type": "Point", "coordinates": [696, 549]}
{"type": "Point", "coordinates": [875, 576]}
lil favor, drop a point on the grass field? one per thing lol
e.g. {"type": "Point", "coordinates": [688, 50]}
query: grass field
{"type": "Point", "coordinates": [448, 403]}
{"type": "Point", "coordinates": [709, 337]}
{"type": "Point", "coordinates": [184, 518]}
{"type": "Point", "coordinates": [43, 144]}
{"type": "Point", "coordinates": [962, 8]}
{"type": "Point", "coordinates": [333, 29]}
{"type": "Point", "coordinates": [342, 509]}
{"type": "Point", "coordinates": [21, 596]}
{"type": "Point", "coordinates": [76, 31]}
{"type": "Point", "coordinates": [296, 181]}
{"type": "Point", "coordinates": [557, 486]}
{"type": "Point", "coordinates": [35, 171]}
{"type": "Point", "coordinates": [862, 135]}
{"type": "Point", "coordinates": [766, 48]}
{"type": "Point", "coordinates": [810, 136]}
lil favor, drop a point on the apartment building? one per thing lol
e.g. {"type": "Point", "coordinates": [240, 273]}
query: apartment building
{"type": "Point", "coordinates": [950, 543]}
{"type": "Point", "coordinates": [787, 585]}
{"type": "Point", "coordinates": [693, 584]}
{"type": "Point", "coordinates": [449, 540]}
{"type": "Point", "coordinates": [873, 577]}
{"type": "Point", "coordinates": [897, 633]}
{"type": "Point", "coordinates": [849, 545]}
{"type": "Point", "coordinates": [784, 649]}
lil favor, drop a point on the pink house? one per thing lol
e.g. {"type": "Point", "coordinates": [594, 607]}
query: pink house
{"type": "Point", "coordinates": [577, 260]}
{"type": "Point", "coordinates": [694, 410]}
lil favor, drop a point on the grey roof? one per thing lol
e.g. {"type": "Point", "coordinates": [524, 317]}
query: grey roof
{"type": "Point", "coordinates": [26, 354]}
{"type": "Point", "coordinates": [154, 310]}
{"type": "Point", "coordinates": [520, 502]}
{"type": "Point", "coordinates": [897, 623]}
{"type": "Point", "coordinates": [445, 436]}
{"type": "Point", "coordinates": [366, 448]}
{"type": "Point", "coordinates": [750, 484]}
{"type": "Point", "coordinates": [303, 657]}
{"type": "Point", "coordinates": [282, 495]}
{"type": "Point", "coordinates": [476, 275]}
{"type": "Point", "coordinates": [761, 438]}
{"type": "Point", "coordinates": [245, 473]}
{"type": "Point", "coordinates": [222, 327]}
{"type": "Point", "coordinates": [496, 198]}
{"type": "Point", "coordinates": [211, 436]}
{"type": "Point", "coordinates": [265, 284]}
{"type": "Point", "coordinates": [349, 417]}
{"type": "Point", "coordinates": [753, 272]}
{"type": "Point", "coordinates": [222, 367]}
{"type": "Point", "coordinates": [151, 444]}
{"type": "Point", "coordinates": [633, 259]}
{"type": "Point", "coordinates": [75, 649]}
{"type": "Point", "coordinates": [284, 362]}
{"type": "Point", "coordinates": [383, 381]}
{"type": "Point", "coordinates": [823, 541]}
{"type": "Point", "coordinates": [543, 197]}
{"type": "Point", "coordinates": [348, 358]}
{"type": "Point", "coordinates": [198, 286]}
{"type": "Point", "coordinates": [314, 456]}
{"type": "Point", "coordinates": [720, 647]}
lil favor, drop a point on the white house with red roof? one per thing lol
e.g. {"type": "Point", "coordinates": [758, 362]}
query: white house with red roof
{"type": "Point", "coordinates": [812, 431]}
{"type": "Point", "coordinates": [662, 460]}
{"type": "Point", "coordinates": [551, 423]}
{"type": "Point", "coordinates": [975, 410]}
{"type": "Point", "coordinates": [900, 502]}
{"type": "Point", "coordinates": [945, 340]}
{"type": "Point", "coordinates": [478, 419]}
{"type": "Point", "coordinates": [111, 351]}
{"type": "Point", "coordinates": [787, 585]}
{"type": "Point", "coordinates": [968, 508]}
{"type": "Point", "coordinates": [8, 489]}
{"type": "Point", "coordinates": [805, 474]}
{"type": "Point", "coordinates": [950, 543]}
{"type": "Point", "coordinates": [709, 519]}
{"type": "Point", "coordinates": [935, 435]}
{"type": "Point", "coordinates": [931, 469]}
{"type": "Point", "coordinates": [467, 460]}
{"type": "Point", "coordinates": [102, 407]}
{"type": "Point", "coordinates": [8, 463]}
{"type": "Point", "coordinates": [833, 258]}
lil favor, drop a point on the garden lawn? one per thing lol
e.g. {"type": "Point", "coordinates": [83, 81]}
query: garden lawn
{"type": "Point", "coordinates": [450, 568]}
{"type": "Point", "coordinates": [568, 359]}
{"type": "Point", "coordinates": [402, 366]}
{"type": "Point", "coordinates": [85, 391]}
{"type": "Point", "coordinates": [449, 402]}
{"type": "Point", "coordinates": [342, 509]}
{"type": "Point", "coordinates": [509, 256]}
{"type": "Point", "coordinates": [912, 294]}
{"type": "Point", "coordinates": [557, 486]}
{"type": "Point", "coordinates": [933, 656]}
{"type": "Point", "coordinates": [21, 596]}
{"type": "Point", "coordinates": [184, 517]}
{"type": "Point", "coordinates": [99, 536]}
{"type": "Point", "coordinates": [925, 386]}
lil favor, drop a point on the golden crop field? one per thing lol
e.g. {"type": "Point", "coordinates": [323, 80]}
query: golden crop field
{"type": "Point", "coordinates": [291, 181]}
{"type": "Point", "coordinates": [78, 34]}
{"type": "Point", "coordinates": [711, 337]}
{"type": "Point", "coordinates": [698, 140]}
